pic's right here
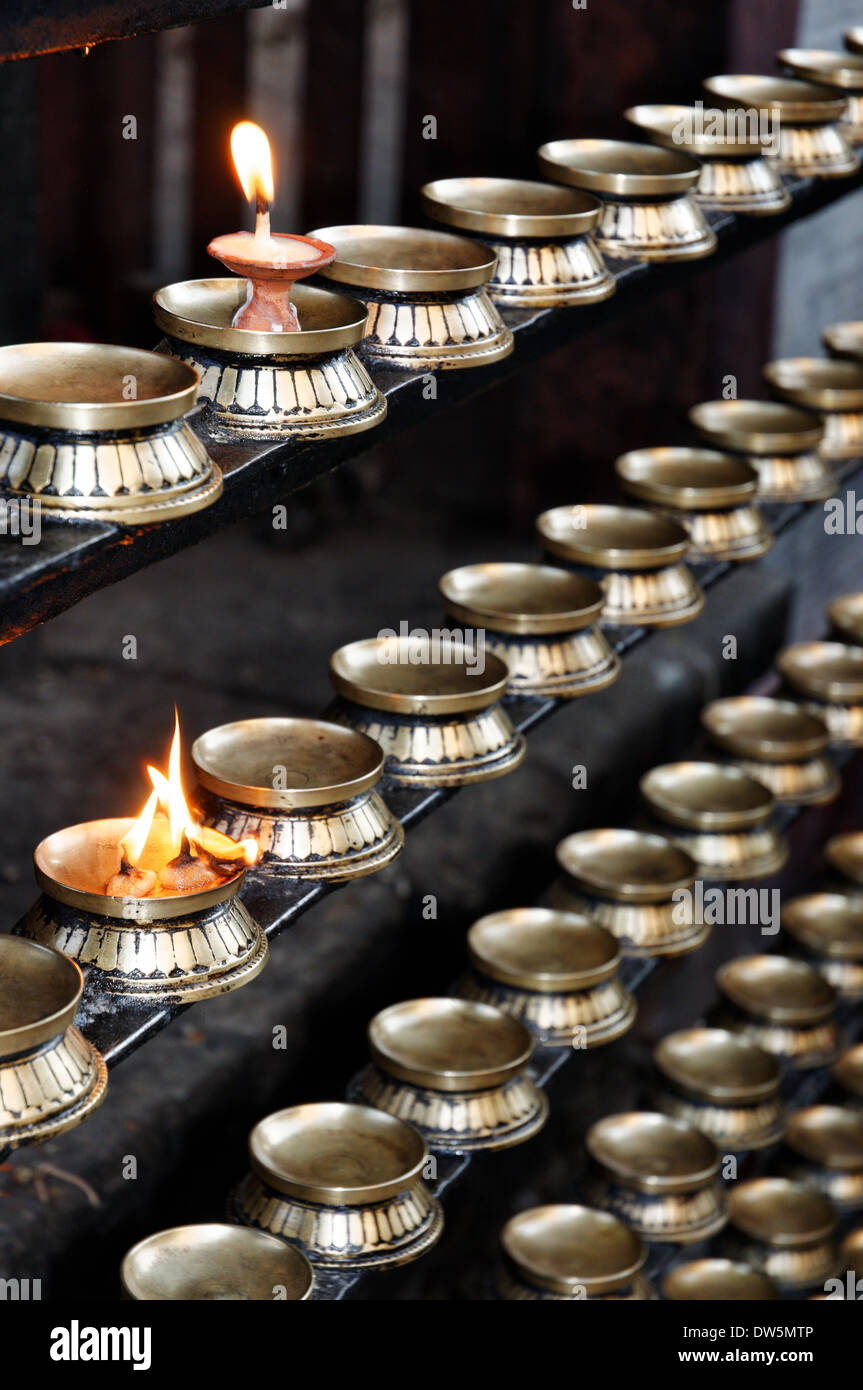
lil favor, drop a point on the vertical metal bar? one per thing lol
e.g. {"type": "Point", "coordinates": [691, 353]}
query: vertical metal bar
{"type": "Point", "coordinates": [385, 75]}
{"type": "Point", "coordinates": [174, 124]}
{"type": "Point", "coordinates": [277, 81]}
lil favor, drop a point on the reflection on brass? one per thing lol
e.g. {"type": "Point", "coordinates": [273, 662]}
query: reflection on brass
{"type": "Point", "coordinates": [844, 340]}
{"type": "Point", "coordinates": [783, 1229]}
{"type": "Point", "coordinates": [51, 1078]}
{"type": "Point", "coordinates": [305, 790]}
{"type": "Point", "coordinates": [563, 1253]}
{"type": "Point", "coordinates": [658, 1174]}
{"type": "Point", "coordinates": [426, 295]}
{"type": "Point", "coordinates": [539, 231]}
{"type": "Point", "coordinates": [778, 742]}
{"type": "Point", "coordinates": [627, 881]}
{"type": "Point", "coordinates": [554, 971]}
{"type": "Point", "coordinates": [96, 432]}
{"type": "Point", "coordinates": [638, 555]}
{"type": "Point", "coordinates": [846, 615]}
{"type": "Point", "coordinates": [851, 1251]}
{"type": "Point", "coordinates": [255, 385]}
{"type": "Point", "coordinates": [845, 854]}
{"type": "Point", "coordinates": [825, 1151]}
{"type": "Point", "coordinates": [841, 71]}
{"type": "Point", "coordinates": [455, 1069]}
{"type": "Point", "coordinates": [829, 926]}
{"type": "Point", "coordinates": [717, 1281]}
{"type": "Point", "coordinates": [734, 177]}
{"type": "Point", "coordinates": [812, 144]}
{"type": "Point", "coordinates": [831, 386]}
{"type": "Point", "coordinates": [539, 621]}
{"type": "Point", "coordinates": [435, 714]}
{"type": "Point", "coordinates": [847, 1072]}
{"type": "Point", "coordinates": [648, 209]}
{"type": "Point", "coordinates": [828, 676]}
{"type": "Point", "coordinates": [722, 1083]}
{"type": "Point", "coordinates": [710, 494]}
{"type": "Point", "coordinates": [215, 1262]}
{"type": "Point", "coordinates": [780, 441]}
{"type": "Point", "coordinates": [782, 1004]}
{"type": "Point", "coordinates": [186, 947]}
{"type": "Point", "coordinates": [719, 814]}
{"type": "Point", "coordinates": [343, 1182]}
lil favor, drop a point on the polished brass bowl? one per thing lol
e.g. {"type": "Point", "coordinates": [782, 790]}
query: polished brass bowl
{"type": "Point", "coordinates": [829, 927]}
{"type": "Point", "coordinates": [539, 231]}
{"type": "Point", "coordinates": [658, 1174]}
{"type": "Point", "coordinates": [719, 814]}
{"type": "Point", "coordinates": [845, 854]}
{"type": "Point", "coordinates": [218, 1263]}
{"type": "Point", "coordinates": [554, 971]}
{"type": "Point", "coordinates": [847, 1073]}
{"type": "Point", "coordinates": [782, 1004]}
{"type": "Point", "coordinates": [305, 790]}
{"type": "Point", "coordinates": [457, 1070]}
{"type": "Point", "coordinates": [563, 1253]}
{"type": "Point", "coordinates": [710, 494]}
{"type": "Point", "coordinates": [540, 621]}
{"type": "Point", "coordinates": [262, 385]}
{"type": "Point", "coordinates": [734, 177]}
{"type": "Point", "coordinates": [636, 885]}
{"type": "Point", "coordinates": [638, 556]}
{"type": "Point", "coordinates": [812, 143]}
{"type": "Point", "coordinates": [343, 1182]}
{"type": "Point", "coordinates": [784, 1230]}
{"type": "Point", "coordinates": [434, 712]}
{"type": "Point", "coordinates": [824, 1146]}
{"type": "Point", "coordinates": [844, 340]}
{"type": "Point", "coordinates": [828, 676]}
{"type": "Point", "coordinates": [722, 1083]}
{"type": "Point", "coordinates": [779, 743]}
{"type": "Point", "coordinates": [95, 432]}
{"type": "Point", "coordinates": [832, 386]}
{"type": "Point", "coordinates": [851, 1251]}
{"type": "Point", "coordinates": [426, 295]}
{"type": "Point", "coordinates": [846, 616]}
{"type": "Point", "coordinates": [648, 209]}
{"type": "Point", "coordinates": [841, 71]}
{"type": "Point", "coordinates": [717, 1281]}
{"type": "Point", "coordinates": [186, 947]}
{"type": "Point", "coordinates": [51, 1078]}
{"type": "Point", "coordinates": [780, 441]}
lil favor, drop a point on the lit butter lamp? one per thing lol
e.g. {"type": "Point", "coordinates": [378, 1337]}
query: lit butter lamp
{"type": "Point", "coordinates": [151, 904]}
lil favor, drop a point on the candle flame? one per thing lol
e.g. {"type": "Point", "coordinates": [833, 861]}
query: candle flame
{"type": "Point", "coordinates": [253, 161]}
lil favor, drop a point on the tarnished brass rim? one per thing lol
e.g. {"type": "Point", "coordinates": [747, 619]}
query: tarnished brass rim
{"type": "Point", "coordinates": [214, 1247]}
{"type": "Point", "coordinates": [584, 857]}
{"type": "Point", "coordinates": [845, 853]}
{"type": "Point", "coordinates": [824, 67]}
{"type": "Point", "coordinates": [420, 1042]}
{"type": "Point", "coordinates": [753, 1210]}
{"type": "Point", "coordinates": [811, 999]}
{"type": "Point", "coordinates": [422, 687]}
{"type": "Point", "coordinates": [830, 671]}
{"type": "Point", "coordinates": [407, 260]}
{"type": "Point", "coordinates": [658, 121]}
{"type": "Point", "coordinates": [798, 103]}
{"type": "Point", "coordinates": [846, 615]}
{"type": "Point", "coordinates": [200, 312]}
{"type": "Point", "coordinates": [606, 1142]}
{"type": "Point", "coordinates": [528, 600]}
{"type": "Point", "coordinates": [34, 975]}
{"type": "Point", "coordinates": [844, 339]}
{"type": "Point", "coordinates": [817, 383]}
{"type": "Point", "coordinates": [542, 950]}
{"type": "Point", "coordinates": [717, 1280]}
{"type": "Point", "coordinates": [830, 1136]}
{"type": "Point", "coordinates": [35, 378]}
{"type": "Point", "coordinates": [620, 168]}
{"type": "Point", "coordinates": [705, 478]}
{"type": "Point", "coordinates": [625, 538]}
{"type": "Point", "coordinates": [847, 1070]}
{"type": "Point", "coordinates": [727, 721]}
{"type": "Point", "coordinates": [840, 913]}
{"type": "Point", "coordinates": [674, 1056]}
{"type": "Point", "coordinates": [757, 427]}
{"type": "Point", "coordinates": [511, 208]}
{"type": "Point", "coordinates": [664, 790]}
{"type": "Point", "coordinates": [564, 1247]}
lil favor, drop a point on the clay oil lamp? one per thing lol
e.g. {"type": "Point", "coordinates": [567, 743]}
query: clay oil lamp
{"type": "Point", "coordinates": [847, 1076]}
{"type": "Point", "coordinates": [846, 618]}
{"type": "Point", "coordinates": [784, 1230]}
{"type": "Point", "coordinates": [722, 1083]}
{"type": "Point", "coordinates": [719, 814]}
{"type": "Point", "coordinates": [215, 1263]}
{"type": "Point", "coordinates": [783, 1005]}
{"type": "Point", "coordinates": [306, 791]}
{"type": "Point", "coordinates": [636, 556]}
{"type": "Point", "coordinates": [842, 72]}
{"type": "Point", "coordinates": [540, 232]}
{"type": "Point", "coordinates": [779, 441]}
{"type": "Point", "coordinates": [827, 677]}
{"type": "Point", "coordinates": [51, 1078]}
{"type": "Point", "coordinates": [828, 927]}
{"type": "Point", "coordinates": [659, 1175]}
{"type": "Point", "coordinates": [540, 621]}
{"type": "Point", "coordinates": [807, 115]}
{"type": "Point", "coordinates": [832, 388]}
{"type": "Point", "coordinates": [778, 743]}
{"type": "Point", "coordinates": [844, 853]}
{"type": "Point", "coordinates": [717, 1281]}
{"type": "Point", "coordinates": [94, 432]}
{"type": "Point", "coordinates": [150, 906]}
{"type": "Point", "coordinates": [637, 885]}
{"type": "Point", "coordinates": [648, 211]}
{"type": "Point", "coordinates": [710, 494]}
{"type": "Point", "coordinates": [570, 1253]}
{"type": "Point", "coordinates": [435, 713]}
{"type": "Point", "coordinates": [342, 1182]}
{"type": "Point", "coordinates": [554, 971]}
{"type": "Point", "coordinates": [455, 1069]}
{"type": "Point", "coordinates": [729, 144]}
{"type": "Point", "coordinates": [824, 1151]}
{"type": "Point", "coordinates": [426, 294]}
{"type": "Point", "coordinates": [275, 356]}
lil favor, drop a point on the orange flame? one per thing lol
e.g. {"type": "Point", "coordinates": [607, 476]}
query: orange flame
{"type": "Point", "coordinates": [250, 151]}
